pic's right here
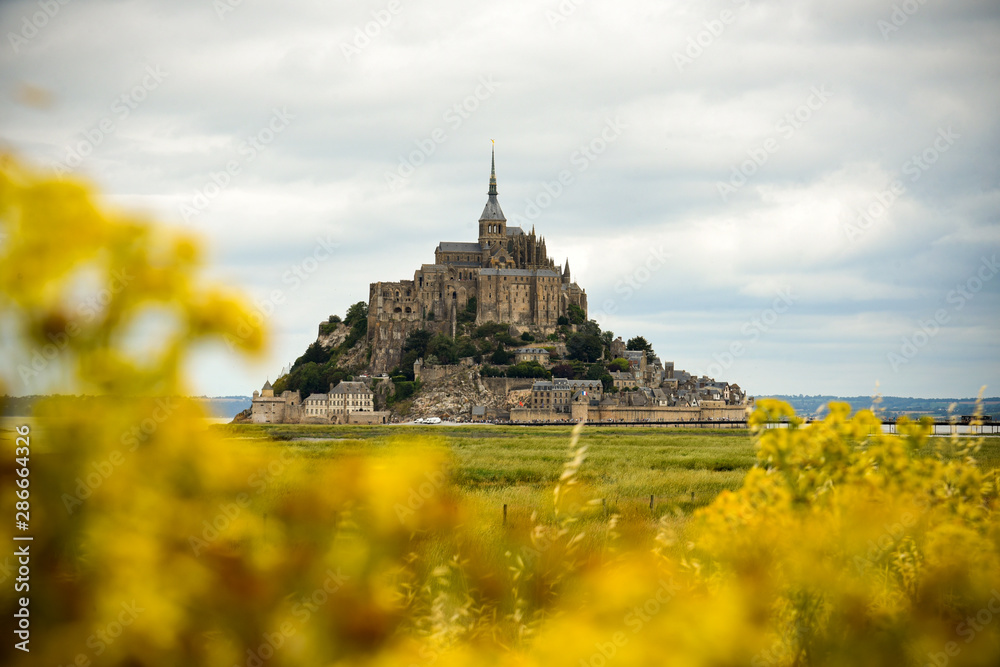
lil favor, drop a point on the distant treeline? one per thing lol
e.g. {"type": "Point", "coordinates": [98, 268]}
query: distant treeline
{"type": "Point", "coordinates": [216, 406]}
{"type": "Point", "coordinates": [895, 406]}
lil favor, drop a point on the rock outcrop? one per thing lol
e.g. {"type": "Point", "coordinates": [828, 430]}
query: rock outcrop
{"type": "Point", "coordinates": [456, 394]}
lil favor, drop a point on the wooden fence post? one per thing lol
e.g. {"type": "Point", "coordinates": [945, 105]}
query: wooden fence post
{"type": "Point", "coordinates": [505, 514]}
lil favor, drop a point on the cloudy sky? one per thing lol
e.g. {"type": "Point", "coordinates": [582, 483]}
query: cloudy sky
{"type": "Point", "coordinates": [801, 197]}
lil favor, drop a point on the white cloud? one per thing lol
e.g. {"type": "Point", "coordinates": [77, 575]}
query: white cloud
{"type": "Point", "coordinates": [557, 84]}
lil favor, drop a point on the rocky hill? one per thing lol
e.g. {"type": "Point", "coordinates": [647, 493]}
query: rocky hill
{"type": "Point", "coordinates": [457, 394]}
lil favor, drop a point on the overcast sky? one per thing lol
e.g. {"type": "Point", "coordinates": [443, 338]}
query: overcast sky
{"type": "Point", "coordinates": [801, 197]}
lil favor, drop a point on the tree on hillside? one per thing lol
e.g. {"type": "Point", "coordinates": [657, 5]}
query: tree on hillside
{"type": "Point", "coordinates": [576, 314]}
{"type": "Point", "coordinates": [315, 353]}
{"type": "Point", "coordinates": [308, 379]}
{"type": "Point", "coordinates": [584, 347]}
{"type": "Point", "coordinates": [417, 341]}
{"type": "Point", "coordinates": [639, 343]}
{"type": "Point", "coordinates": [356, 313]}
{"type": "Point", "coordinates": [444, 348]}
{"type": "Point", "coordinates": [489, 329]}
{"type": "Point", "coordinates": [621, 365]}
{"type": "Point", "coordinates": [468, 315]}
{"type": "Point", "coordinates": [562, 371]}
{"type": "Point", "coordinates": [528, 369]}
{"type": "Point", "coordinates": [501, 357]}
{"type": "Point", "coordinates": [596, 371]}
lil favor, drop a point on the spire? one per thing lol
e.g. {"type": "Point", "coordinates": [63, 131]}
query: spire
{"type": "Point", "coordinates": [566, 270]}
{"type": "Point", "coordinates": [492, 212]}
{"type": "Point", "coordinates": [493, 172]}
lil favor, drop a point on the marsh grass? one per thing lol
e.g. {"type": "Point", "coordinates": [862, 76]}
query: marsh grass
{"type": "Point", "coordinates": [518, 466]}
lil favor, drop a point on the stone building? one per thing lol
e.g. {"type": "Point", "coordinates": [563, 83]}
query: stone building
{"type": "Point", "coordinates": [266, 408]}
{"type": "Point", "coordinates": [348, 397]}
{"type": "Point", "coordinates": [538, 354]}
{"type": "Point", "coordinates": [557, 394]}
{"type": "Point", "coordinates": [347, 403]}
{"type": "Point", "coordinates": [316, 406]}
{"type": "Point", "coordinates": [507, 270]}
{"type": "Point", "coordinates": [624, 380]}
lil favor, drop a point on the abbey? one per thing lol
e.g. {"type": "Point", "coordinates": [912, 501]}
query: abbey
{"type": "Point", "coordinates": [507, 272]}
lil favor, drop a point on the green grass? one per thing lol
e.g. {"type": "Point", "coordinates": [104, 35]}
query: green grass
{"type": "Point", "coordinates": [518, 466]}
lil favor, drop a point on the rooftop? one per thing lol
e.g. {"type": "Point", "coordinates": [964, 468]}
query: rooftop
{"type": "Point", "coordinates": [351, 388]}
{"type": "Point", "coordinates": [448, 246]}
{"type": "Point", "coordinates": [519, 272]}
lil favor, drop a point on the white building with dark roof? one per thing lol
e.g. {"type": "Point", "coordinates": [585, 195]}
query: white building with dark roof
{"type": "Point", "coordinates": [348, 397]}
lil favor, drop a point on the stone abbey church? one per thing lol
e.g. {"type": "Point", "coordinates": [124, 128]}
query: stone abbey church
{"type": "Point", "coordinates": [507, 271]}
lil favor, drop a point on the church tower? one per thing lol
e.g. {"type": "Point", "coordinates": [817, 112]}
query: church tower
{"type": "Point", "coordinates": [492, 223]}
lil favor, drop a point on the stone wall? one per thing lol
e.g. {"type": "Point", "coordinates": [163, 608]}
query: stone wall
{"type": "Point", "coordinates": [436, 373]}
{"type": "Point", "coordinates": [527, 415]}
{"type": "Point", "coordinates": [725, 413]}
{"type": "Point", "coordinates": [628, 414]}
{"type": "Point", "coordinates": [653, 414]}
{"type": "Point", "coordinates": [368, 418]}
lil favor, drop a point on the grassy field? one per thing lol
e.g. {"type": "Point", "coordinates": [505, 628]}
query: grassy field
{"type": "Point", "coordinates": [518, 466]}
